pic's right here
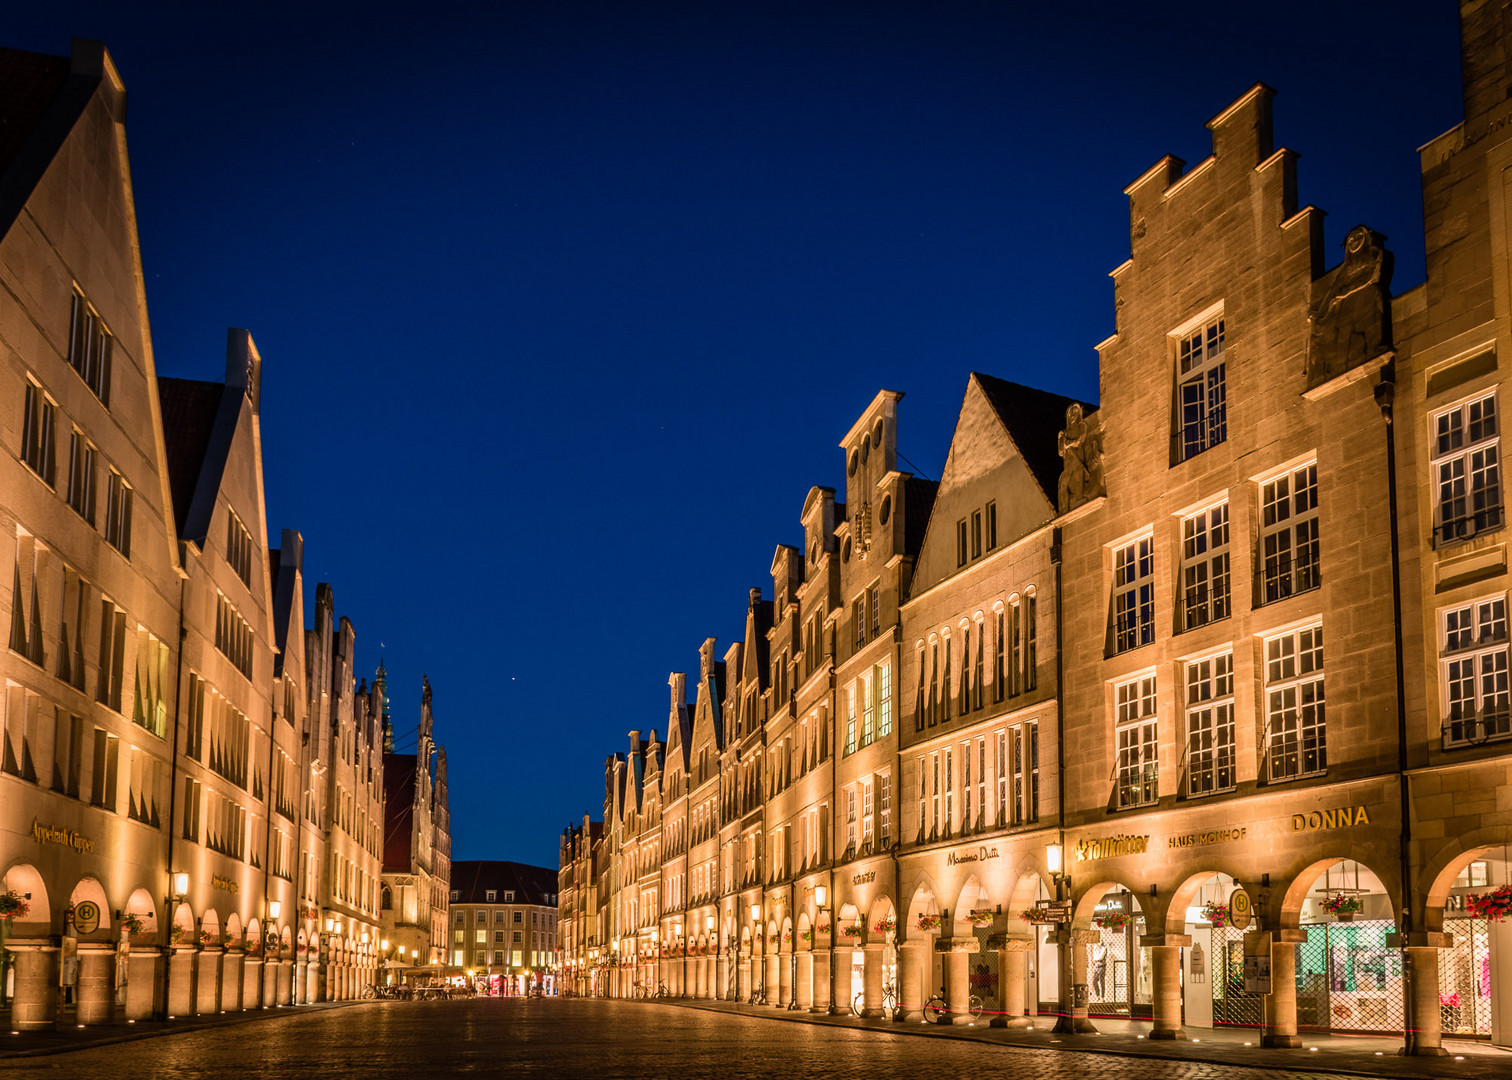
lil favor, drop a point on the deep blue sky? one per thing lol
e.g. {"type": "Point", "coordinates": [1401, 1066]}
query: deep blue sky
{"type": "Point", "coordinates": [564, 307]}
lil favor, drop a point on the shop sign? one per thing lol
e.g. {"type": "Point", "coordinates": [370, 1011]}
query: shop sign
{"type": "Point", "coordinates": [46, 834]}
{"type": "Point", "coordinates": [1241, 909]}
{"type": "Point", "coordinates": [1211, 836]}
{"type": "Point", "coordinates": [1342, 818]}
{"type": "Point", "coordinates": [863, 879]}
{"type": "Point", "coordinates": [982, 854]}
{"type": "Point", "coordinates": [224, 884]}
{"type": "Point", "coordinates": [1111, 847]}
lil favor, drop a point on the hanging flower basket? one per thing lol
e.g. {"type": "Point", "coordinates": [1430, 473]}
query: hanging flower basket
{"type": "Point", "coordinates": [132, 924]}
{"type": "Point", "coordinates": [823, 928]}
{"type": "Point", "coordinates": [1217, 914]}
{"type": "Point", "coordinates": [1342, 906]}
{"type": "Point", "coordinates": [787, 937]}
{"type": "Point", "coordinates": [850, 930]}
{"type": "Point", "coordinates": [806, 936]}
{"type": "Point", "coordinates": [1491, 906]}
{"type": "Point", "coordinates": [178, 935]}
{"type": "Point", "coordinates": [1111, 920]}
{"type": "Point", "coordinates": [206, 939]}
{"type": "Point", "coordinates": [1028, 916]}
{"type": "Point", "coordinates": [929, 922]}
{"type": "Point", "coordinates": [771, 939]}
{"type": "Point", "coordinates": [980, 918]}
{"type": "Point", "coordinates": [886, 926]}
{"type": "Point", "coordinates": [11, 905]}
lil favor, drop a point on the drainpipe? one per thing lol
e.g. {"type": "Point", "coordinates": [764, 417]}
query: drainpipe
{"type": "Point", "coordinates": [1064, 1022]}
{"type": "Point", "coordinates": [1385, 394]}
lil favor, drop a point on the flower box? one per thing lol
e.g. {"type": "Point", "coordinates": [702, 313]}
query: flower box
{"type": "Point", "coordinates": [850, 930]}
{"type": "Point", "coordinates": [1342, 906]}
{"type": "Point", "coordinates": [885, 926]}
{"type": "Point", "coordinates": [11, 905]}
{"type": "Point", "coordinates": [1111, 920]}
{"type": "Point", "coordinates": [929, 922]}
{"type": "Point", "coordinates": [980, 918]}
{"type": "Point", "coordinates": [1218, 915]}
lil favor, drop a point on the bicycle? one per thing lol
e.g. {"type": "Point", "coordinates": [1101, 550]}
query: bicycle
{"type": "Point", "coordinates": [937, 1010]}
{"type": "Point", "coordinates": [889, 1002]}
{"type": "Point", "coordinates": [758, 994]}
{"type": "Point", "coordinates": [638, 992]}
{"type": "Point", "coordinates": [661, 991]}
{"type": "Point", "coordinates": [369, 992]}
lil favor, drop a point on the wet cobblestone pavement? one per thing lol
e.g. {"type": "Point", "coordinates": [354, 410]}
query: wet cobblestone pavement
{"type": "Point", "coordinates": [604, 1040]}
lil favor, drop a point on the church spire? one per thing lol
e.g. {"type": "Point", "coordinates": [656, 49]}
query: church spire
{"type": "Point", "coordinates": [380, 685]}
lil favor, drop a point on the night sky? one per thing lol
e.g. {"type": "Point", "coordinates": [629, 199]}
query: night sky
{"type": "Point", "coordinates": [564, 308]}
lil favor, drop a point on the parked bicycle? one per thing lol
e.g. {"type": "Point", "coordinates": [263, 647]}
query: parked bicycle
{"type": "Point", "coordinates": [758, 994]}
{"type": "Point", "coordinates": [638, 991]}
{"type": "Point", "coordinates": [889, 1002]}
{"type": "Point", "coordinates": [937, 1009]}
{"type": "Point", "coordinates": [661, 991]}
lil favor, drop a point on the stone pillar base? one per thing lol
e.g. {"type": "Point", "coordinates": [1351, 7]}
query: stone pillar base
{"type": "Point", "coordinates": [1167, 1036]}
{"type": "Point", "coordinates": [1423, 1051]}
{"type": "Point", "coordinates": [1012, 1023]}
{"type": "Point", "coordinates": [1281, 1042]}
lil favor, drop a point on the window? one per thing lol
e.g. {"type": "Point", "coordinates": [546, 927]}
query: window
{"type": "Point", "coordinates": [923, 796]}
{"type": "Point", "coordinates": [980, 671]}
{"type": "Point", "coordinates": [949, 790]}
{"type": "Point", "coordinates": [239, 548]}
{"type": "Point", "coordinates": [976, 534]}
{"type": "Point", "coordinates": [1134, 594]}
{"type": "Point", "coordinates": [1205, 567]}
{"type": "Point", "coordinates": [150, 704]}
{"type": "Point", "coordinates": [884, 700]}
{"type": "Point", "coordinates": [884, 809]}
{"type": "Point", "coordinates": [874, 604]}
{"type": "Point", "coordinates": [1002, 777]}
{"type": "Point", "coordinates": [991, 526]}
{"type": "Point", "coordinates": [81, 476]}
{"type": "Point", "coordinates": [1031, 643]}
{"type": "Point", "coordinates": [1467, 468]}
{"type": "Point", "coordinates": [89, 348]}
{"type": "Point", "coordinates": [1134, 723]}
{"type": "Point", "coordinates": [981, 752]}
{"type": "Point", "coordinates": [68, 751]}
{"type": "Point", "coordinates": [867, 810]}
{"type": "Point", "coordinates": [934, 681]}
{"type": "Point", "coordinates": [1202, 399]}
{"type": "Point", "coordinates": [1296, 733]}
{"type": "Point", "coordinates": [233, 637]}
{"type": "Point", "coordinates": [105, 769]}
{"type": "Point", "coordinates": [850, 719]}
{"type": "Point", "coordinates": [1289, 533]}
{"type": "Point", "coordinates": [961, 547]}
{"type": "Point", "coordinates": [968, 822]}
{"type": "Point", "coordinates": [965, 701]}
{"type": "Point", "coordinates": [944, 699]}
{"type": "Point", "coordinates": [999, 671]}
{"type": "Point", "coordinates": [112, 669]}
{"type": "Point", "coordinates": [37, 433]}
{"type": "Point", "coordinates": [858, 619]}
{"type": "Point", "coordinates": [1210, 725]}
{"type": "Point", "coordinates": [118, 513]}
{"type": "Point", "coordinates": [868, 710]}
{"type": "Point", "coordinates": [490, 895]}
{"type": "Point", "coordinates": [934, 819]}
{"type": "Point", "coordinates": [192, 799]}
{"type": "Point", "coordinates": [1474, 663]}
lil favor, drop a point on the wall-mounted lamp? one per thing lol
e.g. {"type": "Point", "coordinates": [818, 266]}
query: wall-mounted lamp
{"type": "Point", "coordinates": [275, 909]}
{"type": "Point", "coordinates": [385, 945]}
{"type": "Point", "coordinates": [821, 895]}
{"type": "Point", "coordinates": [755, 912]}
{"type": "Point", "coordinates": [330, 926]}
{"type": "Point", "coordinates": [364, 937]}
{"type": "Point", "coordinates": [180, 886]}
{"type": "Point", "coordinates": [1055, 858]}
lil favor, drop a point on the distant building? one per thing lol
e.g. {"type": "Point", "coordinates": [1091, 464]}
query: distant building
{"type": "Point", "coordinates": [580, 930]}
{"type": "Point", "coordinates": [416, 853]}
{"type": "Point", "coordinates": [504, 925]}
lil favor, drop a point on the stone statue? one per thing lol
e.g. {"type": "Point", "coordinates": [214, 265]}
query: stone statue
{"type": "Point", "coordinates": [425, 690]}
{"type": "Point", "coordinates": [1349, 321]}
{"type": "Point", "coordinates": [1080, 446]}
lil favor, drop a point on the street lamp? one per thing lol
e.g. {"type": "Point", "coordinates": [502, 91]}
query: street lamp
{"type": "Point", "coordinates": [275, 909]}
{"type": "Point", "coordinates": [180, 885]}
{"type": "Point", "coordinates": [1055, 863]}
{"type": "Point", "coordinates": [821, 903]}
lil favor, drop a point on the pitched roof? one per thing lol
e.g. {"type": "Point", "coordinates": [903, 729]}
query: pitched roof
{"type": "Point", "coordinates": [41, 99]}
{"type": "Point", "coordinates": [472, 878]}
{"type": "Point", "coordinates": [1034, 418]}
{"type": "Point", "coordinates": [918, 501]}
{"type": "Point", "coordinates": [398, 812]}
{"type": "Point", "coordinates": [199, 421]}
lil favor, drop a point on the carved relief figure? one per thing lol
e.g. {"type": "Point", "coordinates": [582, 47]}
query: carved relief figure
{"type": "Point", "coordinates": [1080, 446]}
{"type": "Point", "coordinates": [1350, 318]}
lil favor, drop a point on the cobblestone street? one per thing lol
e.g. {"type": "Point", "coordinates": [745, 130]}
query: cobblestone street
{"type": "Point", "coordinates": [578, 1038]}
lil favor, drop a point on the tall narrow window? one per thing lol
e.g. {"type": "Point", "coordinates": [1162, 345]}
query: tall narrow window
{"type": "Point", "coordinates": [1289, 533]}
{"type": "Point", "coordinates": [1015, 645]}
{"type": "Point", "coordinates": [868, 710]}
{"type": "Point", "coordinates": [967, 821]}
{"type": "Point", "coordinates": [38, 437]}
{"type": "Point", "coordinates": [961, 546]}
{"type": "Point", "coordinates": [1473, 659]}
{"type": "Point", "coordinates": [1294, 717]}
{"type": "Point", "coordinates": [118, 514]}
{"type": "Point", "coordinates": [1134, 594]}
{"type": "Point", "coordinates": [884, 809]}
{"type": "Point", "coordinates": [90, 347]}
{"type": "Point", "coordinates": [981, 775]}
{"type": "Point", "coordinates": [1137, 765]}
{"type": "Point", "coordinates": [104, 770]}
{"type": "Point", "coordinates": [998, 673]}
{"type": "Point", "coordinates": [923, 797]}
{"type": "Point", "coordinates": [850, 719]}
{"type": "Point", "coordinates": [949, 790]}
{"type": "Point", "coordinates": [991, 526]}
{"type": "Point", "coordinates": [1201, 388]}
{"type": "Point", "coordinates": [239, 547]}
{"type": "Point", "coordinates": [934, 681]}
{"type": "Point", "coordinates": [965, 703]}
{"type": "Point", "coordinates": [1002, 777]}
{"type": "Point", "coordinates": [1031, 735]}
{"type": "Point", "coordinates": [1017, 748]}
{"type": "Point", "coordinates": [1210, 725]}
{"type": "Point", "coordinates": [81, 476]}
{"type": "Point", "coordinates": [1031, 644]}
{"type": "Point", "coordinates": [884, 701]}
{"type": "Point", "coordinates": [874, 605]}
{"type": "Point", "coordinates": [1467, 469]}
{"type": "Point", "coordinates": [976, 534]}
{"type": "Point", "coordinates": [1205, 567]}
{"type": "Point", "coordinates": [858, 619]}
{"type": "Point", "coordinates": [867, 809]}
{"type": "Point", "coordinates": [980, 673]}
{"type": "Point", "coordinates": [919, 697]}
{"type": "Point", "coordinates": [934, 816]}
{"type": "Point", "coordinates": [945, 680]}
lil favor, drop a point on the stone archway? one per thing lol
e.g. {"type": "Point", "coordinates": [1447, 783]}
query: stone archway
{"type": "Point", "coordinates": [30, 953]}
{"type": "Point", "coordinates": [1472, 954]}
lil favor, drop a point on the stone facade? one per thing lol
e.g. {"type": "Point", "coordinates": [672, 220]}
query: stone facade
{"type": "Point", "coordinates": [1198, 702]}
{"type": "Point", "coordinates": [504, 930]}
{"type": "Point", "coordinates": [163, 850]}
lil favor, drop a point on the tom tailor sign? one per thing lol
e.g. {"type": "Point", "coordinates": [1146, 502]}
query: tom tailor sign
{"type": "Point", "coordinates": [1111, 847]}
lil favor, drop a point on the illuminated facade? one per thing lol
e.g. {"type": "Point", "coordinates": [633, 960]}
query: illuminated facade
{"type": "Point", "coordinates": [504, 930]}
{"type": "Point", "coordinates": [1168, 680]}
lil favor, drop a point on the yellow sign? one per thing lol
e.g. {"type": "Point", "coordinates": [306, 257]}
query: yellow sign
{"type": "Point", "coordinates": [1111, 848]}
{"type": "Point", "coordinates": [46, 834]}
{"type": "Point", "coordinates": [1211, 836]}
{"type": "Point", "coordinates": [224, 884]}
{"type": "Point", "coordinates": [1241, 909]}
{"type": "Point", "coordinates": [1342, 818]}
